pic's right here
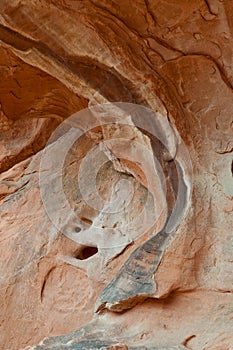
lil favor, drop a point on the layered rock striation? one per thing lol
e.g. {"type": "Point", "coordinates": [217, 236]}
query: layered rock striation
{"type": "Point", "coordinates": [102, 275]}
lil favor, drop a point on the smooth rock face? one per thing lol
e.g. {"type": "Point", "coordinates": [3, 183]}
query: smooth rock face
{"type": "Point", "coordinates": [80, 270]}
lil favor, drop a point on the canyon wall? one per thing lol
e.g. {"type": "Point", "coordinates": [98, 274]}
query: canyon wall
{"type": "Point", "coordinates": [136, 80]}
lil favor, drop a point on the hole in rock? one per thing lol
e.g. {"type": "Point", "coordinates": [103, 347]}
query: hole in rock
{"type": "Point", "coordinates": [86, 252]}
{"type": "Point", "coordinates": [77, 229]}
{"type": "Point", "coordinates": [232, 167]}
{"type": "Point", "coordinates": [86, 220]}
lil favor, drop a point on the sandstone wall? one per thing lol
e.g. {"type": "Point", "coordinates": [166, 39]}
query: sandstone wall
{"type": "Point", "coordinates": [58, 58]}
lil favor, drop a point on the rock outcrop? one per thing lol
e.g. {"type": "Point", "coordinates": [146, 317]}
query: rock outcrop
{"type": "Point", "coordinates": [116, 223]}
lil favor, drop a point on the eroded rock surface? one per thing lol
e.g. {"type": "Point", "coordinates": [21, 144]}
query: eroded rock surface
{"type": "Point", "coordinates": [57, 58]}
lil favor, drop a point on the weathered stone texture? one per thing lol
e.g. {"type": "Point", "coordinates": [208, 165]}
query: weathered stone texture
{"type": "Point", "coordinates": [57, 58]}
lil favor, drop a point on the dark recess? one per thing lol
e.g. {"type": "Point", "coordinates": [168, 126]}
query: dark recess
{"type": "Point", "coordinates": [86, 252]}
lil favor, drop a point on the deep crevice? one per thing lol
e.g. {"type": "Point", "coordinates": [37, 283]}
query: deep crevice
{"type": "Point", "coordinates": [86, 252]}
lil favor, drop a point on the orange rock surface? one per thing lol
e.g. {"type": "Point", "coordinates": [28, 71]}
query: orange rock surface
{"type": "Point", "coordinates": [58, 58]}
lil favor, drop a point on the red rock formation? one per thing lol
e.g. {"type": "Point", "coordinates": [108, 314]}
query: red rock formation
{"type": "Point", "coordinates": [57, 58]}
